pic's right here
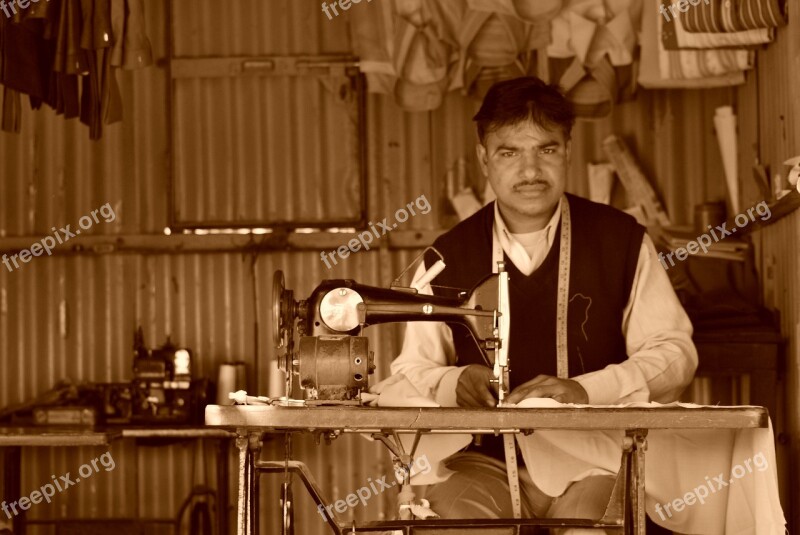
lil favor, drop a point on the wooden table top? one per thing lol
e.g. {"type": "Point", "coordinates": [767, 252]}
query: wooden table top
{"type": "Point", "coordinates": [489, 420]}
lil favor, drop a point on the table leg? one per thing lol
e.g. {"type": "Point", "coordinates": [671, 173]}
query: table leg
{"type": "Point", "coordinates": [616, 510]}
{"type": "Point", "coordinates": [12, 485]}
{"type": "Point", "coordinates": [314, 490]}
{"type": "Point", "coordinates": [637, 480]}
{"type": "Point", "coordinates": [223, 480]}
{"type": "Point", "coordinates": [243, 501]}
{"type": "Point", "coordinates": [254, 452]}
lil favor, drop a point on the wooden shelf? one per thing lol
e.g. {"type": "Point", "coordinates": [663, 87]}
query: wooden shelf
{"type": "Point", "coordinates": [779, 209]}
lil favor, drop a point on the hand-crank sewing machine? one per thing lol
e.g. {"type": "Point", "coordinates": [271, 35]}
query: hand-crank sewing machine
{"type": "Point", "coordinates": [333, 362]}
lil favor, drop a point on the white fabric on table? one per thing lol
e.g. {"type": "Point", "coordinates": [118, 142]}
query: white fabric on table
{"type": "Point", "coordinates": [676, 462]}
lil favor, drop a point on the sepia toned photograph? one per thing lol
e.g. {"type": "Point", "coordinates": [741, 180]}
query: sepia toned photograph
{"type": "Point", "coordinates": [401, 267]}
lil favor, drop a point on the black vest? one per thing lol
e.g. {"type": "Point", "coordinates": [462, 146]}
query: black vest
{"type": "Point", "coordinates": [605, 251]}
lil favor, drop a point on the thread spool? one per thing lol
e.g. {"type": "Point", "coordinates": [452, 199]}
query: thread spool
{"type": "Point", "coordinates": [231, 378]}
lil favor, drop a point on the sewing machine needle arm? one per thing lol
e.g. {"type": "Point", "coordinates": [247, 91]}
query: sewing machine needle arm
{"type": "Point", "coordinates": [503, 326]}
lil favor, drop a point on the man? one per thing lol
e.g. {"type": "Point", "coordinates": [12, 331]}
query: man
{"type": "Point", "coordinates": [628, 339]}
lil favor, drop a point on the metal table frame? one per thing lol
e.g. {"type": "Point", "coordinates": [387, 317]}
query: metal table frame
{"type": "Point", "coordinates": [625, 512]}
{"type": "Point", "coordinates": [14, 438]}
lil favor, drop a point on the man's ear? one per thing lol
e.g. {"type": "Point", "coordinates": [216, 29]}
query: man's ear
{"type": "Point", "coordinates": [568, 151]}
{"type": "Point", "coordinates": [483, 158]}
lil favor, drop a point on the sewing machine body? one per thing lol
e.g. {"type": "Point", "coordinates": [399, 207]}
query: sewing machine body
{"type": "Point", "coordinates": [332, 357]}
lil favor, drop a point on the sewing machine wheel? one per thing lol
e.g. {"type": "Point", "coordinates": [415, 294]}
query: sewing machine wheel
{"type": "Point", "coordinates": [282, 303]}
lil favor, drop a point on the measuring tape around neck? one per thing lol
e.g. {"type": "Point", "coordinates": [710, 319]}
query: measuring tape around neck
{"type": "Point", "coordinates": [562, 361]}
{"type": "Point", "coordinates": [564, 261]}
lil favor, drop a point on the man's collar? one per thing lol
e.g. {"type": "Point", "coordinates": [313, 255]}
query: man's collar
{"type": "Point", "coordinates": [551, 226]}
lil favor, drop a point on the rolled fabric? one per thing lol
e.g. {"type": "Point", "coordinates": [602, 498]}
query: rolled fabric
{"type": "Point", "coordinates": [652, 50]}
{"type": "Point", "coordinates": [761, 13]}
{"type": "Point", "coordinates": [725, 125]}
{"type": "Point", "coordinates": [675, 37]}
{"type": "Point", "coordinates": [733, 16]}
{"type": "Point", "coordinates": [698, 63]}
{"type": "Point", "coordinates": [601, 182]}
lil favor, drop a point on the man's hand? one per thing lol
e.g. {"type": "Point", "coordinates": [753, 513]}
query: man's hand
{"type": "Point", "coordinates": [474, 388]}
{"type": "Point", "coordinates": [547, 386]}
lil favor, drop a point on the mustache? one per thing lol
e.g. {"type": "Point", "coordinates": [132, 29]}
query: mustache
{"type": "Point", "coordinates": [530, 183]}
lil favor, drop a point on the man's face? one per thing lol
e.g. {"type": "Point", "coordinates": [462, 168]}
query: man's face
{"type": "Point", "coordinates": [527, 168]}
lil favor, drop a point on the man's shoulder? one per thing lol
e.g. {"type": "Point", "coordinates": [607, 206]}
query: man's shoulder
{"type": "Point", "coordinates": [463, 247]}
{"type": "Point", "coordinates": [478, 223]}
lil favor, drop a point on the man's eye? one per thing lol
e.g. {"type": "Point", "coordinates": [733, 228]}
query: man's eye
{"type": "Point", "coordinates": [507, 154]}
{"type": "Point", "coordinates": [549, 150]}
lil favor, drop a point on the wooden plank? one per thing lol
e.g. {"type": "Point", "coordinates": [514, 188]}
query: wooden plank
{"type": "Point", "coordinates": [223, 67]}
{"type": "Point", "coordinates": [778, 210]}
{"type": "Point", "coordinates": [635, 181]}
{"type": "Point", "coordinates": [210, 243]}
{"type": "Point", "coordinates": [365, 419]}
{"type": "Point", "coordinates": [47, 437]}
{"type": "Point", "coordinates": [201, 432]}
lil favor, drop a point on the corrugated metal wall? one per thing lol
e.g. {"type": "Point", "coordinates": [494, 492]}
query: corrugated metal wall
{"type": "Point", "coordinates": [74, 316]}
{"type": "Point", "coordinates": [779, 251]}
{"type": "Point", "coordinates": [777, 123]}
{"type": "Point", "coordinates": [255, 150]}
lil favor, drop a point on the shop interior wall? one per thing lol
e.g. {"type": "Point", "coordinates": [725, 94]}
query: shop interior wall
{"type": "Point", "coordinates": [770, 134]}
{"type": "Point", "coordinates": [73, 315]}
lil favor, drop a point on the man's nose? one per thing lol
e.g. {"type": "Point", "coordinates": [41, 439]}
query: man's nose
{"type": "Point", "coordinates": [530, 165]}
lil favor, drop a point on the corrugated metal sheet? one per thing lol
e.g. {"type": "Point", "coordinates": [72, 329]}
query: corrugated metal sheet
{"type": "Point", "coordinates": [246, 144]}
{"type": "Point", "coordinates": [57, 175]}
{"type": "Point", "coordinates": [257, 27]}
{"type": "Point", "coordinates": [670, 132]}
{"type": "Point", "coordinates": [82, 326]}
{"type": "Point", "coordinates": [779, 251]}
{"type": "Point", "coordinates": [779, 139]}
{"type": "Point", "coordinates": [778, 128]}
{"type": "Point", "coordinates": [240, 151]}
{"type": "Point", "coordinates": [74, 316]}
{"type": "Point", "coordinates": [52, 174]}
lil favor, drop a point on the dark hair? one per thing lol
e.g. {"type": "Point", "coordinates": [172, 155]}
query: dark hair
{"type": "Point", "coordinates": [524, 99]}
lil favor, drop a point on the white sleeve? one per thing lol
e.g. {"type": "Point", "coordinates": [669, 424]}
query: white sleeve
{"type": "Point", "coordinates": [658, 338]}
{"type": "Point", "coordinates": [428, 357]}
